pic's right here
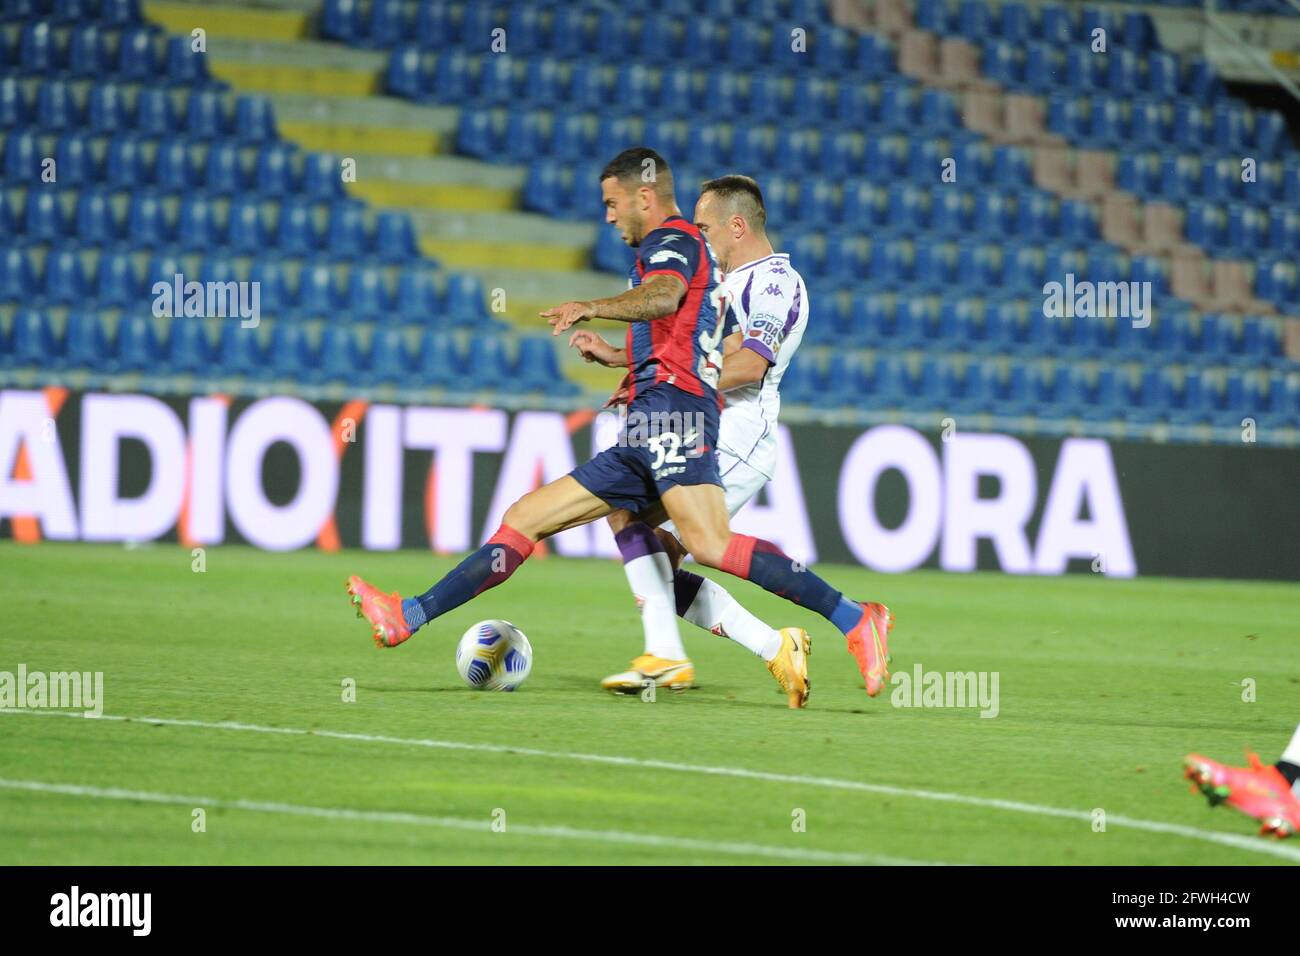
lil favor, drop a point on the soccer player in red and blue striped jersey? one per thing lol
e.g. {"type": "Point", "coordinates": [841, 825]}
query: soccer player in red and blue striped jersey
{"type": "Point", "coordinates": [665, 455]}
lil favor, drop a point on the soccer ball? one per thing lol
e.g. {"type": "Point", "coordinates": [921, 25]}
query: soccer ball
{"type": "Point", "coordinates": [494, 655]}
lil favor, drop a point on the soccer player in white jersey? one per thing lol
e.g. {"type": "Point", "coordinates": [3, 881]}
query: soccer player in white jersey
{"type": "Point", "coordinates": [766, 305]}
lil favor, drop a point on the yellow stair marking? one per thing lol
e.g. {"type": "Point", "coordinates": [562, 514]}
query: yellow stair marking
{"type": "Point", "coordinates": [236, 23]}
{"type": "Point", "coordinates": [508, 255]}
{"type": "Point", "coordinates": [447, 196]}
{"type": "Point", "coordinates": [371, 139]}
{"type": "Point", "coordinates": [283, 78]}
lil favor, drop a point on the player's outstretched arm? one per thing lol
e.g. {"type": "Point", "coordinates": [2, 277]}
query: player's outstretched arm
{"type": "Point", "coordinates": [658, 296]}
{"type": "Point", "coordinates": [594, 348]}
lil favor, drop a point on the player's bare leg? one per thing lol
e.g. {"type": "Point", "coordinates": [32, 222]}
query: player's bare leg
{"type": "Point", "coordinates": [554, 507]}
{"type": "Point", "coordinates": [700, 514]}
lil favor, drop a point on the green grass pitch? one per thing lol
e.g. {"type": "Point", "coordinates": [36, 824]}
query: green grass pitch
{"type": "Point", "coordinates": [1104, 685]}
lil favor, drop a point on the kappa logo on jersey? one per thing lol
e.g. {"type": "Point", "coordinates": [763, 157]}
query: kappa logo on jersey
{"type": "Point", "coordinates": [664, 255]}
{"type": "Point", "coordinates": [774, 289]}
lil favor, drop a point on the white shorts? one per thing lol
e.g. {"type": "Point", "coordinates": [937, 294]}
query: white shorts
{"type": "Point", "coordinates": [740, 483]}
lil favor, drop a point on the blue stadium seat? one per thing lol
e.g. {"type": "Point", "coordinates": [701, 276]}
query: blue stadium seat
{"type": "Point", "coordinates": [488, 363]}
{"type": "Point", "coordinates": [205, 115]}
{"type": "Point", "coordinates": [318, 294]}
{"type": "Point", "coordinates": [120, 11]}
{"type": "Point", "coordinates": [137, 57]}
{"type": "Point", "coordinates": [56, 106]}
{"type": "Point", "coordinates": [543, 82]}
{"type": "Point", "coordinates": [588, 88]}
{"type": "Point", "coordinates": [87, 56]}
{"type": "Point", "coordinates": [389, 23]}
{"type": "Point", "coordinates": [346, 235]}
{"type": "Point", "coordinates": [409, 73]}
{"type": "Point", "coordinates": [417, 295]}
{"type": "Point", "coordinates": [274, 295]}
{"type": "Point", "coordinates": [136, 347]}
{"type": "Point", "coordinates": [43, 218]}
{"type": "Point", "coordinates": [368, 296]}
{"type": "Point", "coordinates": [154, 113]}
{"type": "Point", "coordinates": [289, 353]}
{"type": "Point", "coordinates": [239, 352]}
{"type": "Point", "coordinates": [1162, 75]}
{"type": "Point", "coordinates": [395, 237]}
{"type": "Point", "coordinates": [437, 359]}
{"type": "Point", "coordinates": [389, 358]}
{"type": "Point", "coordinates": [85, 341]}
{"type": "Point", "coordinates": [322, 176]}
{"type": "Point", "coordinates": [296, 231]}
{"type": "Point", "coordinates": [146, 221]}
{"type": "Point", "coordinates": [65, 277]}
{"type": "Point", "coordinates": [37, 50]}
{"type": "Point", "coordinates": [246, 229]}
{"type": "Point", "coordinates": [341, 20]}
{"type": "Point", "coordinates": [106, 109]}
{"type": "Point", "coordinates": [197, 225]}
{"type": "Point", "coordinates": [173, 171]}
{"type": "Point", "coordinates": [274, 174]}
{"type": "Point", "coordinates": [96, 224]}
{"type": "Point", "coordinates": [254, 120]}
{"type": "Point", "coordinates": [33, 340]}
{"type": "Point", "coordinates": [497, 86]}
{"type": "Point", "coordinates": [183, 65]}
{"type": "Point", "coordinates": [189, 350]}
{"type": "Point", "coordinates": [116, 281]}
{"type": "Point", "coordinates": [464, 299]}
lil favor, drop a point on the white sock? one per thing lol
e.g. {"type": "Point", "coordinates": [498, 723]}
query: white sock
{"type": "Point", "coordinates": [1292, 756]}
{"type": "Point", "coordinates": [651, 579]}
{"type": "Point", "coordinates": [716, 610]}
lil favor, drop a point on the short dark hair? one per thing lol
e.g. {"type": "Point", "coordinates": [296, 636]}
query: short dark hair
{"type": "Point", "coordinates": [742, 195]}
{"type": "Point", "coordinates": [631, 166]}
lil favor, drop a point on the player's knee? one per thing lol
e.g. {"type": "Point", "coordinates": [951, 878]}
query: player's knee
{"type": "Point", "coordinates": [705, 548]}
{"type": "Point", "coordinates": [522, 516]}
{"type": "Point", "coordinates": [618, 520]}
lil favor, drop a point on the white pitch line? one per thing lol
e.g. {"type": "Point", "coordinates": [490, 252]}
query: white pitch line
{"type": "Point", "coordinates": [456, 823]}
{"type": "Point", "coordinates": [1249, 844]}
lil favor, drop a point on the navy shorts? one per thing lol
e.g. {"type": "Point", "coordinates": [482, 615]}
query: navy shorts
{"type": "Point", "coordinates": [670, 438]}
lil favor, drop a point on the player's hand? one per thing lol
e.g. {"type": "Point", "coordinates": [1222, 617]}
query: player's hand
{"type": "Point", "coordinates": [562, 317]}
{"type": "Point", "coordinates": [620, 394]}
{"type": "Point", "coordinates": [594, 348]}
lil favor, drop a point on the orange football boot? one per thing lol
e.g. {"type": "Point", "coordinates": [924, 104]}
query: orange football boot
{"type": "Point", "coordinates": [869, 643]}
{"type": "Point", "coordinates": [1258, 791]}
{"type": "Point", "coordinates": [383, 611]}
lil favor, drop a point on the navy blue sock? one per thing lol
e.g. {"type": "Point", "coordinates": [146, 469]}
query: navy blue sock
{"type": "Point", "coordinates": [685, 586]}
{"type": "Point", "coordinates": [773, 570]}
{"type": "Point", "coordinates": [485, 568]}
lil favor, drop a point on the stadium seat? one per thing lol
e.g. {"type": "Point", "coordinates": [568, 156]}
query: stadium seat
{"type": "Point", "coordinates": [239, 353]}
{"type": "Point", "coordinates": [189, 350]}
{"type": "Point", "coordinates": [289, 353]}
{"type": "Point", "coordinates": [317, 292]}
{"type": "Point", "coordinates": [33, 340]}
{"type": "Point", "coordinates": [436, 359]}
{"type": "Point", "coordinates": [117, 282]}
{"type": "Point", "coordinates": [136, 346]}
{"type": "Point", "coordinates": [340, 356]}
{"type": "Point", "coordinates": [417, 295]}
{"type": "Point", "coordinates": [85, 341]}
